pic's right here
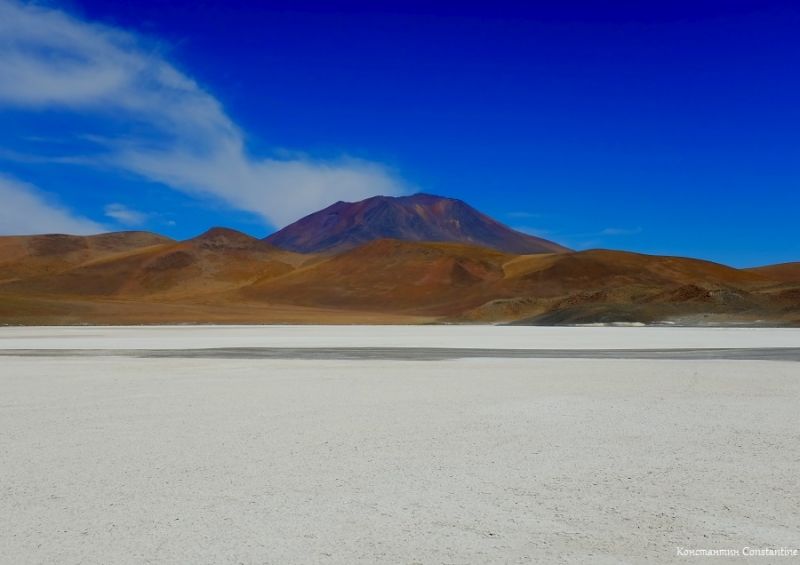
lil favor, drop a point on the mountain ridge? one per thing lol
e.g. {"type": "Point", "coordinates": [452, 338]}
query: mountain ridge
{"type": "Point", "coordinates": [226, 276]}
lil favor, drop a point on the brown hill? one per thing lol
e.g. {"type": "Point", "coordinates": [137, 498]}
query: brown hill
{"type": "Point", "coordinates": [601, 286]}
{"type": "Point", "coordinates": [783, 272]}
{"type": "Point", "coordinates": [449, 279]}
{"type": "Point", "coordinates": [24, 257]}
{"type": "Point", "coordinates": [218, 260]}
{"type": "Point", "coordinates": [553, 275]}
{"type": "Point", "coordinates": [392, 276]}
{"type": "Point", "coordinates": [420, 218]}
{"type": "Point", "coordinates": [227, 276]}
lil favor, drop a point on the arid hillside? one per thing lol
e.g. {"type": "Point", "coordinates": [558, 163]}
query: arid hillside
{"type": "Point", "coordinates": [218, 260]}
{"type": "Point", "coordinates": [784, 272]}
{"type": "Point", "coordinates": [224, 276]}
{"type": "Point", "coordinates": [392, 276]}
{"type": "Point", "coordinates": [25, 257]}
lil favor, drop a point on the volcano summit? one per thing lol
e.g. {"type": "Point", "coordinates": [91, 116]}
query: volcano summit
{"type": "Point", "coordinates": [421, 217]}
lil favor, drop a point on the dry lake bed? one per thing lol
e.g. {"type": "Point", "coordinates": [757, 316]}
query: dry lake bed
{"type": "Point", "coordinates": [412, 444]}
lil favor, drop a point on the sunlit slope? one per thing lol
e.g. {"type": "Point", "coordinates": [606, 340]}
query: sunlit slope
{"type": "Point", "coordinates": [783, 272]}
{"type": "Point", "coordinates": [390, 275]}
{"type": "Point", "coordinates": [218, 260]}
{"type": "Point", "coordinates": [599, 268]}
{"type": "Point", "coordinates": [599, 286]}
{"type": "Point", "coordinates": [23, 257]}
{"type": "Point", "coordinates": [237, 277]}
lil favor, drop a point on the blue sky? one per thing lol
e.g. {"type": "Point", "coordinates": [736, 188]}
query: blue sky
{"type": "Point", "coordinates": [658, 127]}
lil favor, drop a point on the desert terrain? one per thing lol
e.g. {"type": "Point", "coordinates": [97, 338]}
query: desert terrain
{"type": "Point", "coordinates": [410, 260]}
{"type": "Point", "coordinates": [224, 276]}
{"type": "Point", "coordinates": [189, 445]}
{"type": "Point", "coordinates": [237, 329]}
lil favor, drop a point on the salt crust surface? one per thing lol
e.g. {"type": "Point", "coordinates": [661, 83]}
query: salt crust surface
{"type": "Point", "coordinates": [489, 337]}
{"type": "Point", "coordinates": [176, 461]}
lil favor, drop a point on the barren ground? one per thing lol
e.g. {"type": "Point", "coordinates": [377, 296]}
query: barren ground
{"type": "Point", "coordinates": [111, 459]}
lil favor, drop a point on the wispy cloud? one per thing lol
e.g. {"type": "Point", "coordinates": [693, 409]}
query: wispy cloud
{"type": "Point", "coordinates": [592, 239]}
{"type": "Point", "coordinates": [601, 233]}
{"type": "Point", "coordinates": [578, 240]}
{"type": "Point", "coordinates": [523, 215]}
{"type": "Point", "coordinates": [619, 231]}
{"type": "Point", "coordinates": [535, 231]}
{"type": "Point", "coordinates": [125, 215]}
{"type": "Point", "coordinates": [51, 60]}
{"type": "Point", "coordinates": [26, 210]}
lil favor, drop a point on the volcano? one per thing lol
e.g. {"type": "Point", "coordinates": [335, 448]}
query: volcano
{"type": "Point", "coordinates": [415, 259]}
{"type": "Point", "coordinates": [419, 218]}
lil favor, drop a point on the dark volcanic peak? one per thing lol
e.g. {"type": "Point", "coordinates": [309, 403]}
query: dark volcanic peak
{"type": "Point", "coordinates": [421, 217]}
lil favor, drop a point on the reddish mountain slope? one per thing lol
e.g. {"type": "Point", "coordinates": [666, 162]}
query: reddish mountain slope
{"type": "Point", "coordinates": [24, 257]}
{"type": "Point", "coordinates": [783, 272]}
{"type": "Point", "coordinates": [600, 286]}
{"type": "Point", "coordinates": [392, 276]}
{"type": "Point", "coordinates": [421, 217]}
{"type": "Point", "coordinates": [225, 275]}
{"type": "Point", "coordinates": [447, 279]}
{"type": "Point", "coordinates": [218, 260]}
{"type": "Point", "coordinates": [552, 275]}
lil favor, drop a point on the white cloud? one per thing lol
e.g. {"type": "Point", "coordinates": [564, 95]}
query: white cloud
{"type": "Point", "coordinates": [27, 211]}
{"type": "Point", "coordinates": [49, 59]}
{"type": "Point", "coordinates": [534, 231]}
{"type": "Point", "coordinates": [523, 215]}
{"type": "Point", "coordinates": [619, 231]}
{"type": "Point", "coordinates": [125, 215]}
